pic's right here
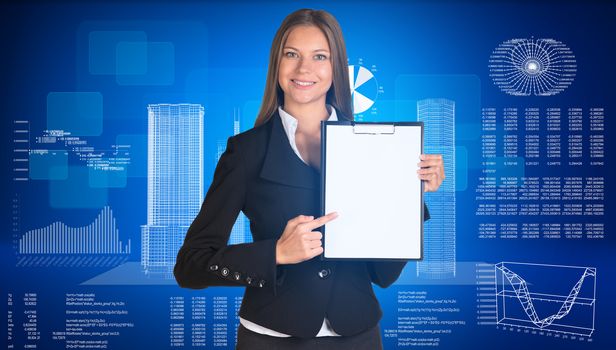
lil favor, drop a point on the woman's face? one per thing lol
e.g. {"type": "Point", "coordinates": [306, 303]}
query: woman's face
{"type": "Point", "coordinates": [305, 71]}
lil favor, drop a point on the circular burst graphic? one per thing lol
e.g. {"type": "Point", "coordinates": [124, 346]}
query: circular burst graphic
{"type": "Point", "coordinates": [524, 67]}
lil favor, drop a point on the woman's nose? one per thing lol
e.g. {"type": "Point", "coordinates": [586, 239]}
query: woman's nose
{"type": "Point", "coordinates": [304, 65]}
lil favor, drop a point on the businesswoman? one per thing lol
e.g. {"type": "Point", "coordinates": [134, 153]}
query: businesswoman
{"type": "Point", "coordinates": [293, 300]}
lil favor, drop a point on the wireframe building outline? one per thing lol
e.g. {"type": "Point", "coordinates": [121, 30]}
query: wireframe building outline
{"type": "Point", "coordinates": [175, 182]}
{"type": "Point", "coordinates": [438, 115]}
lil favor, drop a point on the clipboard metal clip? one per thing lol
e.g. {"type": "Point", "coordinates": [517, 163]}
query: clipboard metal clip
{"type": "Point", "coordinates": [374, 129]}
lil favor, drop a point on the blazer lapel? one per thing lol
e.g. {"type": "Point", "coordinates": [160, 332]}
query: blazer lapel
{"type": "Point", "coordinates": [282, 165]}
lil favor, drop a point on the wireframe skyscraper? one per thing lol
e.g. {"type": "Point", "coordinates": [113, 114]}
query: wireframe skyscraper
{"type": "Point", "coordinates": [175, 182]}
{"type": "Point", "coordinates": [439, 261]}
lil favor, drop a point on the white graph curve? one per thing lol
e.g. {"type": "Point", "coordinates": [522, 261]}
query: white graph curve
{"type": "Point", "coordinates": [521, 290]}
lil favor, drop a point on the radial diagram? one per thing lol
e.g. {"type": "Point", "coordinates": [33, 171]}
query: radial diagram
{"type": "Point", "coordinates": [524, 67]}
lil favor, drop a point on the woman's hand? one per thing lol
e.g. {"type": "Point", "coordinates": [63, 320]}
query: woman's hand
{"type": "Point", "coordinates": [298, 242]}
{"type": "Point", "coordinates": [432, 171]}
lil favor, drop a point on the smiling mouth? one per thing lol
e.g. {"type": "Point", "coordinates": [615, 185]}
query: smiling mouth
{"type": "Point", "coordinates": [303, 83]}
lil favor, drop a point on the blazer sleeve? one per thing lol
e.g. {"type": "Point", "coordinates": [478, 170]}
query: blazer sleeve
{"type": "Point", "coordinates": [205, 259]}
{"type": "Point", "coordinates": [385, 273]}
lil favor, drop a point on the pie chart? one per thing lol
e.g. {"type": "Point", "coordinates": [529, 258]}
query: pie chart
{"type": "Point", "coordinates": [364, 88]}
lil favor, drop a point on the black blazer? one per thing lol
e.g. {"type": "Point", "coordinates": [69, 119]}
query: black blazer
{"type": "Point", "coordinates": [260, 175]}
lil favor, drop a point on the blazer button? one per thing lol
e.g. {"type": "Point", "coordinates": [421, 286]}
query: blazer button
{"type": "Point", "coordinates": [323, 274]}
{"type": "Point", "coordinates": [214, 267]}
{"type": "Point", "coordinates": [224, 271]}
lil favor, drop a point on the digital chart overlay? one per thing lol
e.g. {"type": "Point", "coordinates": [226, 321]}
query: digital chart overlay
{"type": "Point", "coordinates": [364, 88]}
{"type": "Point", "coordinates": [546, 297]}
{"type": "Point", "coordinates": [525, 67]}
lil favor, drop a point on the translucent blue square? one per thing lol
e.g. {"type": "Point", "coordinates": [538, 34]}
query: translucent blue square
{"type": "Point", "coordinates": [102, 46]}
{"type": "Point", "coordinates": [461, 168]}
{"type": "Point", "coordinates": [137, 147]}
{"type": "Point", "coordinates": [405, 110]}
{"type": "Point", "coordinates": [160, 67]}
{"type": "Point", "coordinates": [75, 191]}
{"type": "Point", "coordinates": [80, 113]}
{"type": "Point", "coordinates": [464, 89]}
{"type": "Point", "coordinates": [48, 165]}
{"type": "Point", "coordinates": [132, 58]}
{"type": "Point", "coordinates": [107, 178]}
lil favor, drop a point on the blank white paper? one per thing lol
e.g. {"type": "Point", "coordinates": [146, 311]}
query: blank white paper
{"type": "Point", "coordinates": [371, 181]}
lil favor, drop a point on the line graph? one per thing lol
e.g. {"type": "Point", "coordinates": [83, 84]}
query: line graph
{"type": "Point", "coordinates": [546, 297]}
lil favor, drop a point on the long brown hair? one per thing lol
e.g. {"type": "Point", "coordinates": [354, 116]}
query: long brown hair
{"type": "Point", "coordinates": [339, 94]}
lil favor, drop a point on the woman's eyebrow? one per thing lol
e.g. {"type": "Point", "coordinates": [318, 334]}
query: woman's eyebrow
{"type": "Point", "coordinates": [292, 48]}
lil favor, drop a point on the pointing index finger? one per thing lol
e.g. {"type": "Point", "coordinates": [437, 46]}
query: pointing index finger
{"type": "Point", "coordinates": [318, 222]}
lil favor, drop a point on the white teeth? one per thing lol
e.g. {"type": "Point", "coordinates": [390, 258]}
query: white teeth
{"type": "Point", "coordinates": [303, 83]}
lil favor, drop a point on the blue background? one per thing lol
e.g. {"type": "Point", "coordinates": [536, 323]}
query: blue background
{"type": "Point", "coordinates": [215, 54]}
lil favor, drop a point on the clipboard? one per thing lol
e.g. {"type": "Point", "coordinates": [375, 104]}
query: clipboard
{"type": "Point", "coordinates": [369, 176]}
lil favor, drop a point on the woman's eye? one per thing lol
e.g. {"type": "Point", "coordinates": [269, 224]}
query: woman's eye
{"type": "Point", "coordinates": [320, 57]}
{"type": "Point", "coordinates": [290, 54]}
